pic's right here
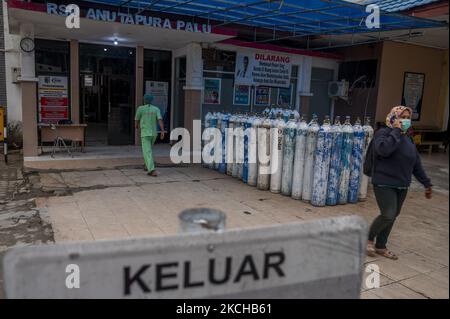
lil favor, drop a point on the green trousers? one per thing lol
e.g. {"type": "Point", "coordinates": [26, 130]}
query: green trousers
{"type": "Point", "coordinates": [147, 144]}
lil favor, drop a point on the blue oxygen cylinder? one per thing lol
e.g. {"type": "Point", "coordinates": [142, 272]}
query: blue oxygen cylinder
{"type": "Point", "coordinates": [230, 145]}
{"type": "Point", "coordinates": [346, 155]}
{"type": "Point", "coordinates": [335, 163]}
{"type": "Point", "coordinates": [237, 128]}
{"type": "Point", "coordinates": [299, 158]}
{"type": "Point", "coordinates": [355, 166]}
{"type": "Point", "coordinates": [277, 155]}
{"type": "Point", "coordinates": [253, 151]}
{"type": "Point", "coordinates": [263, 181]}
{"type": "Point", "coordinates": [322, 164]}
{"type": "Point", "coordinates": [223, 129]}
{"type": "Point", "coordinates": [368, 135]}
{"type": "Point", "coordinates": [247, 127]}
{"type": "Point", "coordinates": [311, 141]}
{"type": "Point", "coordinates": [213, 121]}
{"type": "Point", "coordinates": [289, 133]}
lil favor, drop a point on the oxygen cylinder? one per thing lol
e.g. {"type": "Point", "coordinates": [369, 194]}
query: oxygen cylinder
{"type": "Point", "coordinates": [289, 133]}
{"type": "Point", "coordinates": [355, 165]}
{"type": "Point", "coordinates": [364, 179]}
{"type": "Point", "coordinates": [223, 129]}
{"type": "Point", "coordinates": [247, 127]}
{"type": "Point", "coordinates": [335, 163]}
{"type": "Point", "coordinates": [218, 147]}
{"type": "Point", "coordinates": [253, 152]}
{"type": "Point", "coordinates": [346, 154]}
{"type": "Point", "coordinates": [263, 181]}
{"type": "Point", "coordinates": [322, 164]}
{"type": "Point", "coordinates": [237, 128]}
{"type": "Point", "coordinates": [207, 124]}
{"type": "Point", "coordinates": [277, 156]}
{"type": "Point", "coordinates": [311, 141]}
{"type": "Point", "coordinates": [230, 145]}
{"type": "Point", "coordinates": [241, 147]}
{"type": "Point", "coordinates": [213, 122]}
{"type": "Point", "coordinates": [299, 159]}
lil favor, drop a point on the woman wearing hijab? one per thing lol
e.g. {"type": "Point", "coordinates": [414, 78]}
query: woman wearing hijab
{"type": "Point", "coordinates": [395, 160]}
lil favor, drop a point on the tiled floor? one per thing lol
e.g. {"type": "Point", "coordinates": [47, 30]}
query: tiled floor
{"type": "Point", "coordinates": [122, 203]}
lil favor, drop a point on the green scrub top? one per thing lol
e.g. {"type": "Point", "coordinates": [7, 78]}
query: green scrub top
{"type": "Point", "coordinates": [147, 115]}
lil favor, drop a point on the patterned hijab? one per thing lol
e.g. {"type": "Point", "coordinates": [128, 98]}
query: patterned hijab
{"type": "Point", "coordinates": [395, 113]}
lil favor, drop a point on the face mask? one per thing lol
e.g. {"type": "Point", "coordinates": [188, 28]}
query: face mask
{"type": "Point", "coordinates": [406, 124]}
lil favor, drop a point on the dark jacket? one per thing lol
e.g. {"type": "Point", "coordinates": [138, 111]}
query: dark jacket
{"type": "Point", "coordinates": [396, 159]}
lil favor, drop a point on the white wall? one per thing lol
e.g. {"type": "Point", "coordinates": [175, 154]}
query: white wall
{"type": "Point", "coordinates": [12, 59]}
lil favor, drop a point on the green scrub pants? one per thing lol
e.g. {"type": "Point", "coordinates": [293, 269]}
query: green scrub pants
{"type": "Point", "coordinates": [147, 144]}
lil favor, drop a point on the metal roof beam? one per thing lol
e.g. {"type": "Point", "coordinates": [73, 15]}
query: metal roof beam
{"type": "Point", "coordinates": [326, 32]}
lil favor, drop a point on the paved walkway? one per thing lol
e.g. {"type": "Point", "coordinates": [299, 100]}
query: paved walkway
{"type": "Point", "coordinates": [124, 202]}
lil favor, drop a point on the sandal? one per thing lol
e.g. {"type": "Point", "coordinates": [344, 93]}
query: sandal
{"type": "Point", "coordinates": [386, 253]}
{"type": "Point", "coordinates": [370, 250]}
{"type": "Point", "coordinates": [152, 173]}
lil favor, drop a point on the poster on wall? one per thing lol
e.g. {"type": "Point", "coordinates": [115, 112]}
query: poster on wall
{"type": "Point", "coordinates": [241, 95]}
{"type": "Point", "coordinates": [263, 69]}
{"type": "Point", "coordinates": [262, 96]}
{"type": "Point", "coordinates": [53, 99]}
{"type": "Point", "coordinates": [284, 97]}
{"type": "Point", "coordinates": [160, 92]}
{"type": "Point", "coordinates": [413, 85]}
{"type": "Point", "coordinates": [211, 92]}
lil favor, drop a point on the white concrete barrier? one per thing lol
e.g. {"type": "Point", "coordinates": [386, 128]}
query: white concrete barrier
{"type": "Point", "coordinates": [318, 259]}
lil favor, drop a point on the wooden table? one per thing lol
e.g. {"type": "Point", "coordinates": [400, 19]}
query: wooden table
{"type": "Point", "coordinates": [74, 132]}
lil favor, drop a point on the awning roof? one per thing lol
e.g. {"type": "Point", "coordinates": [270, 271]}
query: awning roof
{"type": "Point", "coordinates": [298, 17]}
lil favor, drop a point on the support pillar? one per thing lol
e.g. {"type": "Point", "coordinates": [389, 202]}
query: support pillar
{"type": "Point", "coordinates": [74, 81]}
{"type": "Point", "coordinates": [28, 82]}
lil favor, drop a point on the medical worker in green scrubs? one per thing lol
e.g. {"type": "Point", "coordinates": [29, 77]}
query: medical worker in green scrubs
{"type": "Point", "coordinates": [146, 117]}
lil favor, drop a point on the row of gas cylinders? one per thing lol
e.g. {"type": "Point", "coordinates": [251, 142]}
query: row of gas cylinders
{"type": "Point", "coordinates": [320, 164]}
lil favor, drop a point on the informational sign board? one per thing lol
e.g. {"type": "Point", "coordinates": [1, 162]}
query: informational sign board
{"type": "Point", "coordinates": [53, 98]}
{"type": "Point", "coordinates": [284, 97]}
{"type": "Point", "coordinates": [263, 69]}
{"type": "Point", "coordinates": [2, 123]}
{"type": "Point", "coordinates": [318, 259]}
{"type": "Point", "coordinates": [211, 90]}
{"type": "Point", "coordinates": [241, 95]}
{"type": "Point", "coordinates": [413, 85]}
{"type": "Point", "coordinates": [262, 96]}
{"type": "Point", "coordinates": [88, 80]}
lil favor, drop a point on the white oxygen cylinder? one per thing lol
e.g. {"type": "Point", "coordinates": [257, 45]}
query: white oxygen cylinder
{"type": "Point", "coordinates": [299, 159]}
{"type": "Point", "coordinates": [253, 152]}
{"type": "Point", "coordinates": [368, 135]}
{"type": "Point", "coordinates": [277, 156]}
{"type": "Point", "coordinates": [242, 120]}
{"type": "Point", "coordinates": [311, 141]}
{"type": "Point", "coordinates": [230, 145]}
{"type": "Point", "coordinates": [237, 128]}
{"type": "Point", "coordinates": [263, 181]}
{"type": "Point", "coordinates": [289, 134]}
{"type": "Point", "coordinates": [207, 124]}
{"type": "Point", "coordinates": [218, 148]}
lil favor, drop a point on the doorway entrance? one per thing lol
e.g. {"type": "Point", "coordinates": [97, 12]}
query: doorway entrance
{"type": "Point", "coordinates": [107, 94]}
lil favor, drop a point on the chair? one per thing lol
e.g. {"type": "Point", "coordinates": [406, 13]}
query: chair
{"type": "Point", "coordinates": [60, 142]}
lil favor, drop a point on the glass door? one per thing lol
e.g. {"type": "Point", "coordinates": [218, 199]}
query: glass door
{"type": "Point", "coordinates": [120, 110]}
